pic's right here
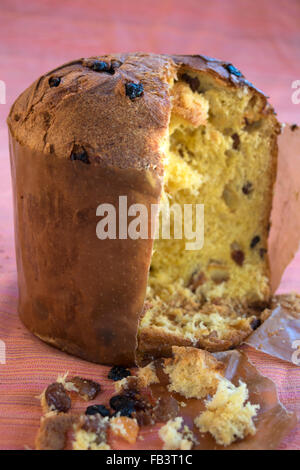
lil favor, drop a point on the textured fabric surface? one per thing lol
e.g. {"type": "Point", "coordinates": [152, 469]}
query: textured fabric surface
{"type": "Point", "coordinates": [36, 36]}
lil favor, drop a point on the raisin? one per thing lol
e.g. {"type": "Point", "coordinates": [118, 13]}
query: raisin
{"type": "Point", "coordinates": [193, 82]}
{"type": "Point", "coordinates": [118, 373]}
{"type": "Point", "coordinates": [262, 252]}
{"type": "Point", "coordinates": [54, 81]}
{"type": "Point", "coordinates": [57, 398]}
{"type": "Point", "coordinates": [97, 409]}
{"type": "Point", "coordinates": [294, 127]}
{"type": "Point", "coordinates": [126, 411]}
{"type": "Point", "coordinates": [255, 241]}
{"type": "Point", "coordinates": [196, 281]}
{"type": "Point", "coordinates": [255, 323]}
{"type": "Point", "coordinates": [121, 401]}
{"type": "Point", "coordinates": [81, 156]}
{"type": "Point", "coordinates": [247, 188]}
{"type": "Point", "coordinates": [100, 66]}
{"type": "Point", "coordinates": [87, 389]}
{"type": "Point", "coordinates": [233, 70]}
{"type": "Point", "coordinates": [236, 141]}
{"type": "Point", "coordinates": [238, 256]}
{"type": "Point", "coordinates": [134, 90]}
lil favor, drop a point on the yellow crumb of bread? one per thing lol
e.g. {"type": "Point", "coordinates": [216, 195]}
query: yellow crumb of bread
{"type": "Point", "coordinates": [69, 386]}
{"type": "Point", "coordinates": [87, 441]}
{"type": "Point", "coordinates": [192, 107]}
{"type": "Point", "coordinates": [194, 373]}
{"type": "Point", "coordinates": [173, 438]}
{"type": "Point", "coordinates": [147, 375]}
{"type": "Point", "coordinates": [227, 417]}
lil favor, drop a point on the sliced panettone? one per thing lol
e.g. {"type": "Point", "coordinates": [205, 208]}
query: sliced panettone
{"type": "Point", "coordinates": [167, 131]}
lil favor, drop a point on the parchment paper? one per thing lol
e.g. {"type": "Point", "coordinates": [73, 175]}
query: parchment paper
{"type": "Point", "coordinates": [279, 335]}
{"type": "Point", "coordinates": [285, 218]}
{"type": "Point", "coordinates": [273, 421]}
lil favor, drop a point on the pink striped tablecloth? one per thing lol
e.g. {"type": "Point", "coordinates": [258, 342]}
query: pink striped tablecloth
{"type": "Point", "coordinates": [263, 41]}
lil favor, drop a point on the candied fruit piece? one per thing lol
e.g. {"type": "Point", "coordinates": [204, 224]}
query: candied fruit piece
{"type": "Point", "coordinates": [124, 427]}
{"type": "Point", "coordinates": [87, 389]}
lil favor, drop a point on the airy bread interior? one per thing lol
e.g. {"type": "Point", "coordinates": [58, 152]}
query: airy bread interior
{"type": "Point", "coordinates": [221, 152]}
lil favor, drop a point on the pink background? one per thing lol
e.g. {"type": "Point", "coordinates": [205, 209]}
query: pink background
{"type": "Point", "coordinates": [261, 38]}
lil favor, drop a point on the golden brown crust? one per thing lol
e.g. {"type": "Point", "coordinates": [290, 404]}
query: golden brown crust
{"type": "Point", "coordinates": [86, 298]}
{"type": "Point", "coordinates": [155, 343]}
{"type": "Point", "coordinates": [77, 292]}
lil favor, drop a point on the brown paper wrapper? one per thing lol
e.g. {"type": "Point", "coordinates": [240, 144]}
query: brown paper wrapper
{"type": "Point", "coordinates": [285, 218]}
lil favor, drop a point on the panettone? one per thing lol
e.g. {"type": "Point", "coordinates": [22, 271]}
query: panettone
{"type": "Point", "coordinates": [160, 130]}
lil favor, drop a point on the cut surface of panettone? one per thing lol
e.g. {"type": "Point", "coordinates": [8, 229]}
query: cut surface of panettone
{"type": "Point", "coordinates": [193, 373]}
{"type": "Point", "coordinates": [227, 417]}
{"type": "Point", "coordinates": [220, 151]}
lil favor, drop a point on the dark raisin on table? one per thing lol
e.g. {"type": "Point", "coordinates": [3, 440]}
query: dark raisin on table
{"type": "Point", "coordinates": [118, 402]}
{"type": "Point", "coordinates": [247, 188]}
{"type": "Point", "coordinates": [54, 81]}
{"type": "Point", "coordinates": [255, 240]}
{"type": "Point", "coordinates": [134, 90]}
{"type": "Point", "coordinates": [118, 373]}
{"type": "Point", "coordinates": [57, 398]}
{"type": "Point", "coordinates": [87, 389]}
{"type": "Point", "coordinates": [294, 127]}
{"type": "Point", "coordinates": [82, 156]}
{"type": "Point", "coordinates": [126, 411]}
{"type": "Point", "coordinates": [97, 409]}
{"type": "Point", "coordinates": [233, 70]}
{"type": "Point", "coordinates": [238, 257]}
{"type": "Point", "coordinates": [193, 82]}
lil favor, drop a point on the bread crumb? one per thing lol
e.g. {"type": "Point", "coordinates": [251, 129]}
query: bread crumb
{"type": "Point", "coordinates": [86, 441]}
{"type": "Point", "coordinates": [90, 433]}
{"type": "Point", "coordinates": [147, 375]}
{"type": "Point", "coordinates": [226, 417]}
{"type": "Point", "coordinates": [194, 373]}
{"type": "Point", "coordinates": [173, 438]}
